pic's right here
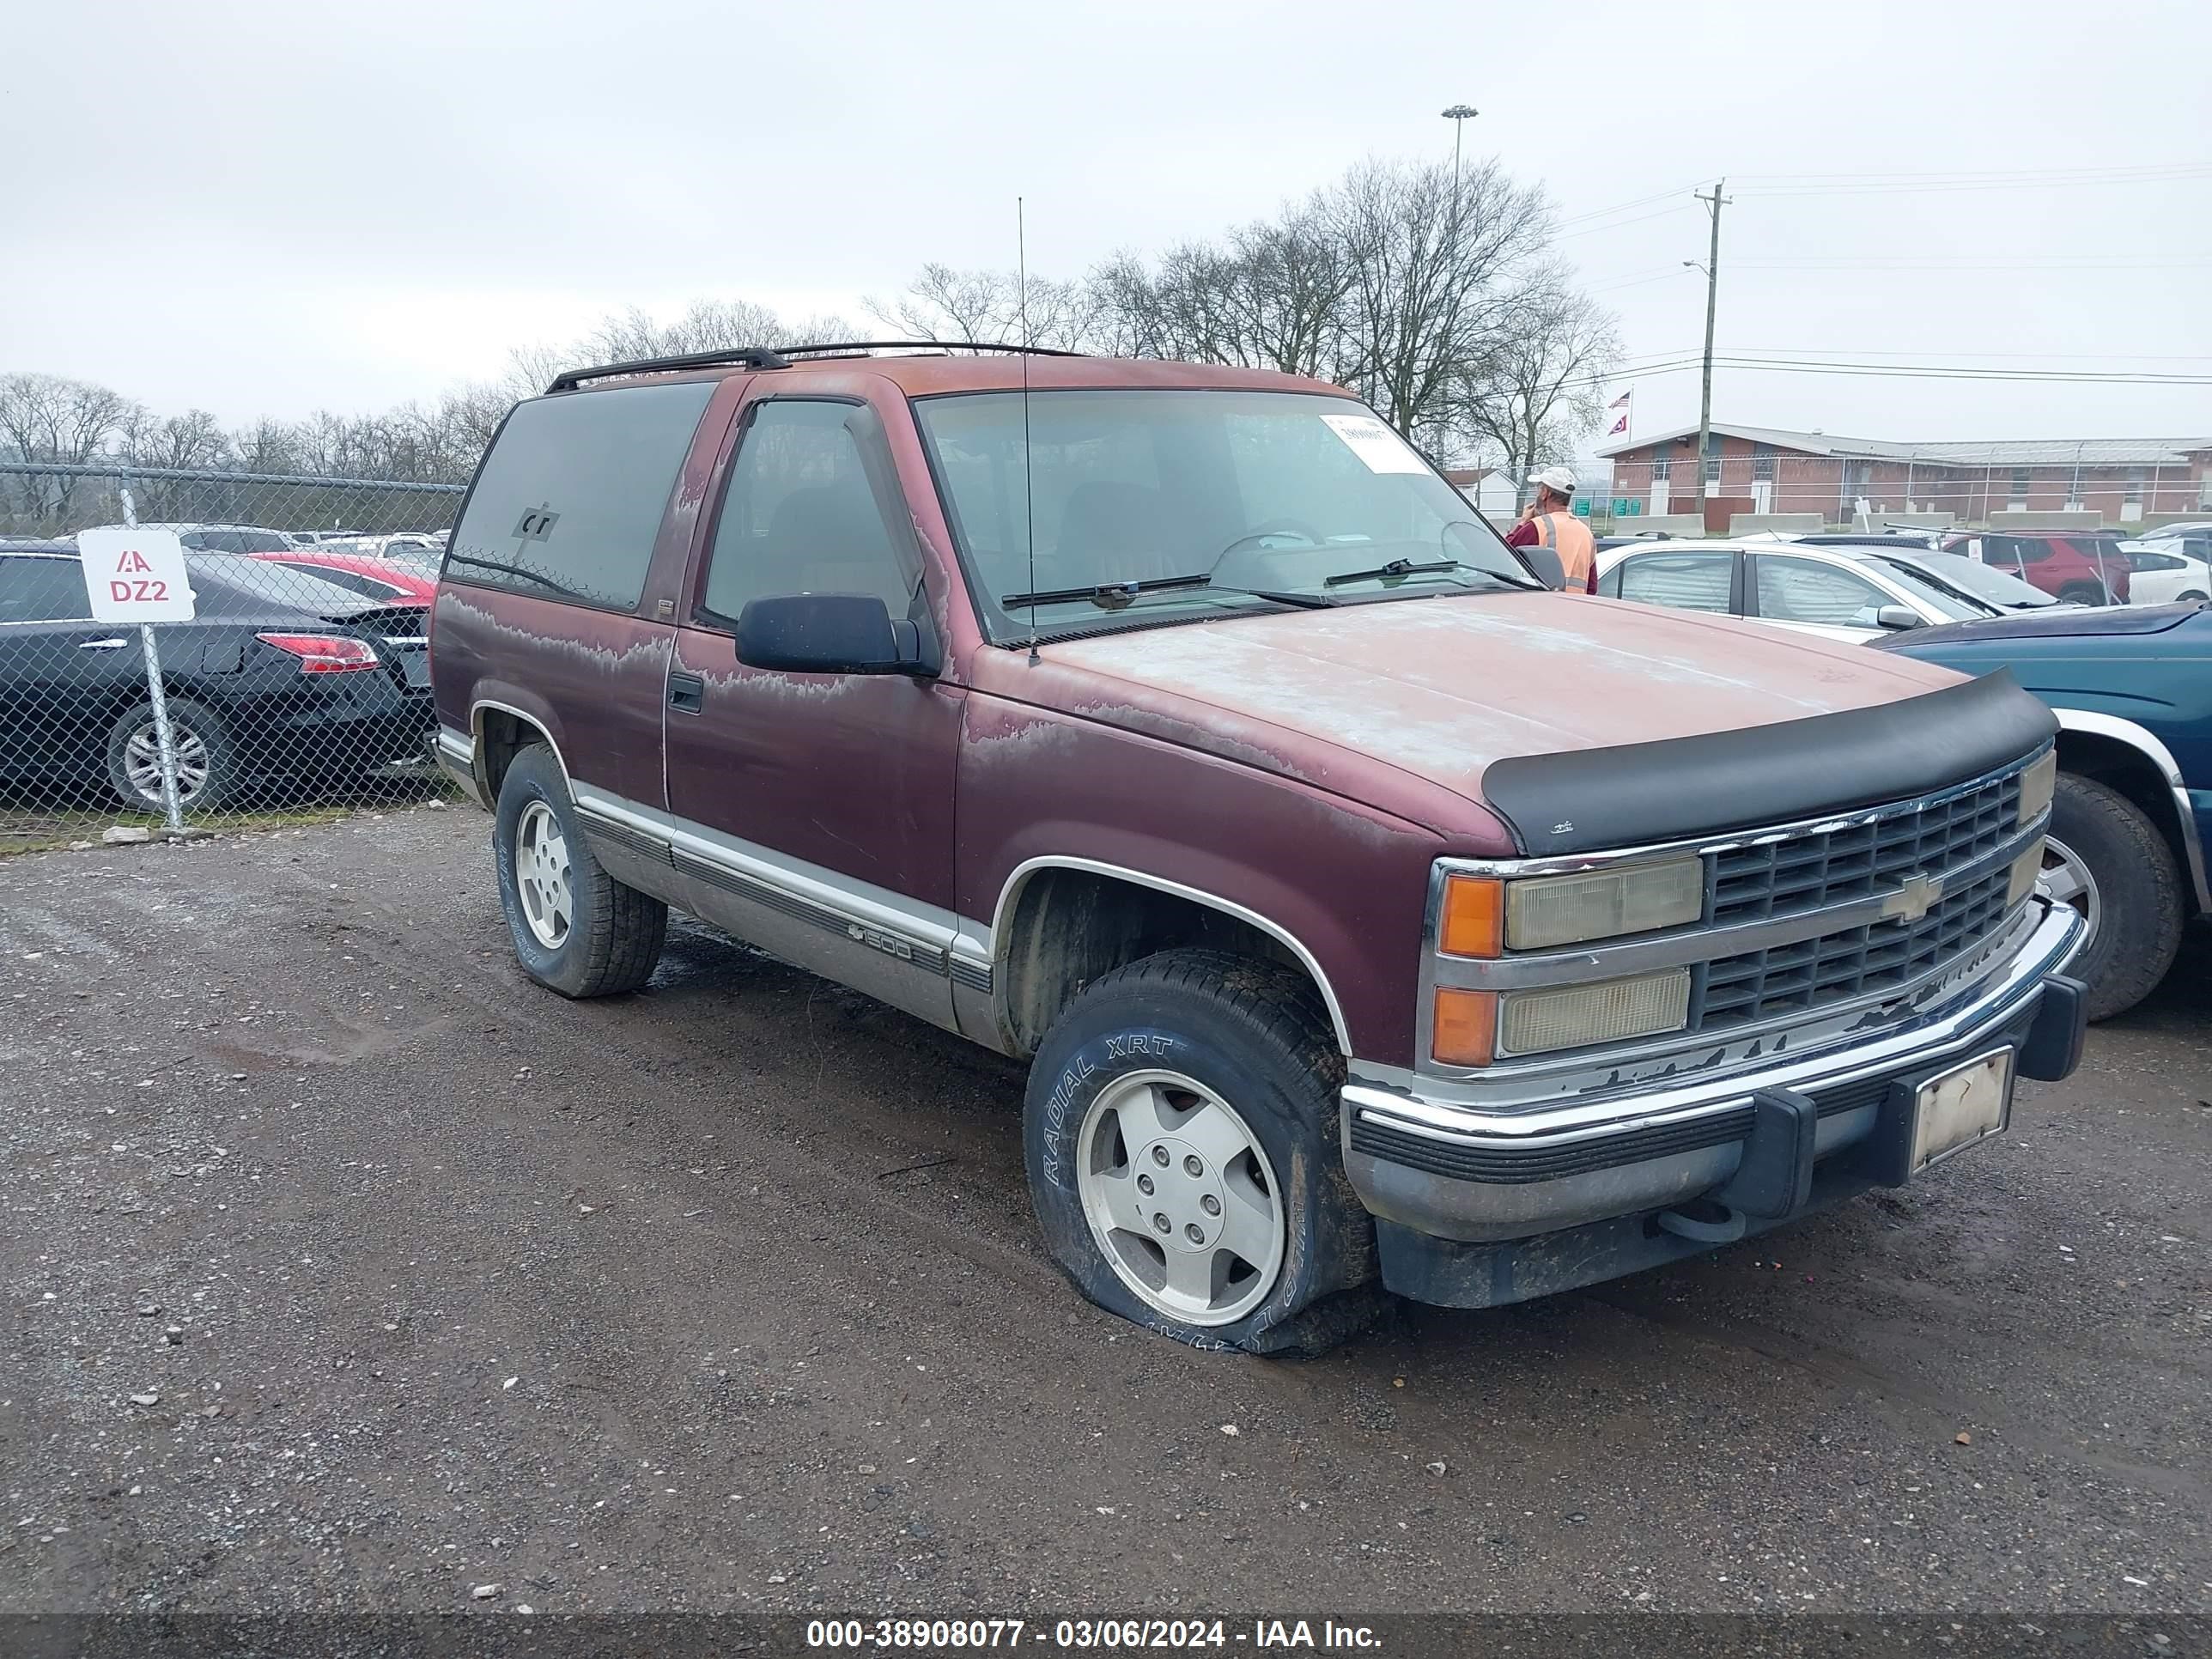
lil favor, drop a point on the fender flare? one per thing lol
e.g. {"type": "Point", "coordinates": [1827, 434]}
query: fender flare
{"type": "Point", "coordinates": [2090, 723]}
{"type": "Point", "coordinates": [1011, 891]}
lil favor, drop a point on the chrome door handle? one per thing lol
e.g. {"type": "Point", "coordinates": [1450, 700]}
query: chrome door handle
{"type": "Point", "coordinates": [101, 645]}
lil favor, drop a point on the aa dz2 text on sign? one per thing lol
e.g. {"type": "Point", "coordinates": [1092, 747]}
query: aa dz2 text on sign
{"type": "Point", "coordinates": [134, 575]}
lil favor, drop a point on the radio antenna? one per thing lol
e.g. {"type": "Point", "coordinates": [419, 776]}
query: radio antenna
{"type": "Point", "coordinates": [1028, 491]}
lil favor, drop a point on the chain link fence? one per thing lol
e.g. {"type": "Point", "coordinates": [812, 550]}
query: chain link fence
{"type": "Point", "coordinates": [299, 687]}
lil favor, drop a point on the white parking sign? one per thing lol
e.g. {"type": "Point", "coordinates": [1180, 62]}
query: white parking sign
{"type": "Point", "coordinates": [133, 575]}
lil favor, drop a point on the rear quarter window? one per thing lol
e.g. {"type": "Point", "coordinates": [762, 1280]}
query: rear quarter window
{"type": "Point", "coordinates": [569, 501]}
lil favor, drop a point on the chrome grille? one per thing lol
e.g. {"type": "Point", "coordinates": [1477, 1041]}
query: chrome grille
{"type": "Point", "coordinates": [1856, 961]}
{"type": "Point", "coordinates": [1807, 872]}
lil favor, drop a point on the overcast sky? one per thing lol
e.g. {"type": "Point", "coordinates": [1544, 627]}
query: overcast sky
{"type": "Point", "coordinates": [264, 209]}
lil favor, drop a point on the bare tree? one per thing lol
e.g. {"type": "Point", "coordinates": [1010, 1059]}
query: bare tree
{"type": "Point", "coordinates": [194, 439]}
{"type": "Point", "coordinates": [1438, 258]}
{"type": "Point", "coordinates": [46, 417]}
{"type": "Point", "coordinates": [1270, 297]}
{"type": "Point", "coordinates": [1540, 394]}
{"type": "Point", "coordinates": [986, 307]}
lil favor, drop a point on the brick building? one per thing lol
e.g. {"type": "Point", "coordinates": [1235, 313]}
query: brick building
{"type": "Point", "coordinates": [1768, 470]}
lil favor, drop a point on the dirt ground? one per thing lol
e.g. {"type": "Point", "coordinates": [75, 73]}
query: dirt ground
{"type": "Point", "coordinates": [348, 1270]}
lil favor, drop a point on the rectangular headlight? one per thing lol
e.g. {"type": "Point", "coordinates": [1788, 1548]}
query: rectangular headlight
{"type": "Point", "coordinates": [2037, 785]}
{"type": "Point", "coordinates": [2025, 869]}
{"type": "Point", "coordinates": [1538, 1022]}
{"type": "Point", "coordinates": [1634, 898]}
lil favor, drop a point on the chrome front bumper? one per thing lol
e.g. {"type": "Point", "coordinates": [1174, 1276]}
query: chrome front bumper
{"type": "Point", "coordinates": [1444, 1167]}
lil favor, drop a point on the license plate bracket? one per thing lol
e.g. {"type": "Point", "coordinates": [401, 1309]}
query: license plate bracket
{"type": "Point", "coordinates": [1929, 1118]}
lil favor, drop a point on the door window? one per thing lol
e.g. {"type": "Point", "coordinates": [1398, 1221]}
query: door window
{"type": "Point", "coordinates": [568, 503]}
{"type": "Point", "coordinates": [42, 590]}
{"type": "Point", "coordinates": [801, 514]}
{"type": "Point", "coordinates": [1799, 591]}
{"type": "Point", "coordinates": [1686, 581]}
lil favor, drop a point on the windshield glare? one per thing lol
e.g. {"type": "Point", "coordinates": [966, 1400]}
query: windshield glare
{"type": "Point", "coordinates": [1947, 604]}
{"type": "Point", "coordinates": [2006, 591]}
{"type": "Point", "coordinates": [1271, 490]}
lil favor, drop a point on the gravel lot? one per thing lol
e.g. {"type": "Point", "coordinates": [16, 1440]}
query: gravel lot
{"type": "Point", "coordinates": [348, 1270]}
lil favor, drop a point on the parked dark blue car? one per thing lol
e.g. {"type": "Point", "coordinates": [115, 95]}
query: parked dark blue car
{"type": "Point", "coordinates": [2132, 689]}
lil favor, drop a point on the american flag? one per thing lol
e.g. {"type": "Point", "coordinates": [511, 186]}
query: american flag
{"type": "Point", "coordinates": [1617, 413]}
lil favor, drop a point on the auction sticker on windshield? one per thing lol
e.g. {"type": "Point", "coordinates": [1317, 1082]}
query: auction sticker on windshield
{"type": "Point", "coordinates": [134, 576]}
{"type": "Point", "coordinates": [1376, 444]}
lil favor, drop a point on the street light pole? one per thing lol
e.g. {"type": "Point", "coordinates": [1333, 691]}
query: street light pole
{"type": "Point", "coordinates": [1459, 115]}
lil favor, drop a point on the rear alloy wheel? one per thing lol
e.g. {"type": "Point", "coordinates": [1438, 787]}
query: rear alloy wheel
{"type": "Point", "coordinates": [2108, 860]}
{"type": "Point", "coordinates": [205, 759]}
{"type": "Point", "coordinates": [576, 929]}
{"type": "Point", "coordinates": [541, 875]}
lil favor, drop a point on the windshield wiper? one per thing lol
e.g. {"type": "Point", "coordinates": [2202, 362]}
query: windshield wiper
{"type": "Point", "coordinates": [1395, 568]}
{"type": "Point", "coordinates": [1112, 596]}
{"type": "Point", "coordinates": [1423, 567]}
{"type": "Point", "coordinates": [1109, 595]}
{"type": "Point", "coordinates": [527, 575]}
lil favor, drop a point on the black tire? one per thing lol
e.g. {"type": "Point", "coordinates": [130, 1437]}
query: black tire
{"type": "Point", "coordinates": [2084, 593]}
{"type": "Point", "coordinates": [203, 742]}
{"type": "Point", "coordinates": [1255, 1033]}
{"type": "Point", "coordinates": [2192, 597]}
{"type": "Point", "coordinates": [614, 933]}
{"type": "Point", "coordinates": [2140, 908]}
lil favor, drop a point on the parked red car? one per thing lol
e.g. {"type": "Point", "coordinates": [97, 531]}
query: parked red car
{"type": "Point", "coordinates": [377, 579]}
{"type": "Point", "coordinates": [1367, 911]}
{"type": "Point", "coordinates": [2077, 565]}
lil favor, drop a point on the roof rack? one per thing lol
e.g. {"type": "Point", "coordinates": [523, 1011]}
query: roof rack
{"type": "Point", "coordinates": [833, 348]}
{"type": "Point", "coordinates": [766, 357]}
{"type": "Point", "coordinates": [729, 357]}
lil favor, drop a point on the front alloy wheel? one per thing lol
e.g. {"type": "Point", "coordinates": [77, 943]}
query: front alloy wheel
{"type": "Point", "coordinates": [1181, 1198]}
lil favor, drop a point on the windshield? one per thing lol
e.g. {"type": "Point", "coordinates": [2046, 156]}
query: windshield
{"type": "Point", "coordinates": [1997, 587]}
{"type": "Point", "coordinates": [1946, 601]}
{"type": "Point", "coordinates": [1232, 501]}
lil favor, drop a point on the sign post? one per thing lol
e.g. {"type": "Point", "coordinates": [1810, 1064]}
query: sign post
{"type": "Point", "coordinates": [134, 576]}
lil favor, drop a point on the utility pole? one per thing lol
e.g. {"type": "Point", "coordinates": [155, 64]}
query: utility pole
{"type": "Point", "coordinates": [1716, 202]}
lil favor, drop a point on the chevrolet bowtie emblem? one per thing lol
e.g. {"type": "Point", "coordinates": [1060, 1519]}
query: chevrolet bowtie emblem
{"type": "Point", "coordinates": [1914, 898]}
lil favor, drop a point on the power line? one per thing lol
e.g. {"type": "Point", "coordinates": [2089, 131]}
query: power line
{"type": "Point", "coordinates": [1622, 224]}
{"type": "Point", "coordinates": [1957, 371]}
{"type": "Point", "coordinates": [2052, 181]}
{"type": "Point", "coordinates": [1878, 261]}
{"type": "Point", "coordinates": [1623, 207]}
{"type": "Point", "coordinates": [2055, 356]}
{"type": "Point", "coordinates": [1993, 176]}
{"type": "Point", "coordinates": [1896, 371]}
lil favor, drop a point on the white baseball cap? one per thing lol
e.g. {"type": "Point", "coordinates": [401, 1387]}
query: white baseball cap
{"type": "Point", "coordinates": [1557, 479]}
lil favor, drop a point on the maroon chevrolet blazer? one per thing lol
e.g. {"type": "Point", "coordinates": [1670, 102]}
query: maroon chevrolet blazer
{"type": "Point", "coordinates": [1373, 916]}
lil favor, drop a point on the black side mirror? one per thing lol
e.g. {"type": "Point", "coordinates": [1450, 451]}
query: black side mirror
{"type": "Point", "coordinates": [1545, 562]}
{"type": "Point", "coordinates": [1897, 615]}
{"type": "Point", "coordinates": [832, 634]}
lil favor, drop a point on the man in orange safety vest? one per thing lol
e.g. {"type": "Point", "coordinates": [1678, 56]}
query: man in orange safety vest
{"type": "Point", "coordinates": [1549, 521]}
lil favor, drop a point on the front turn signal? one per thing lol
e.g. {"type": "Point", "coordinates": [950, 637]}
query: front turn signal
{"type": "Point", "coordinates": [1472, 923]}
{"type": "Point", "coordinates": [1463, 1027]}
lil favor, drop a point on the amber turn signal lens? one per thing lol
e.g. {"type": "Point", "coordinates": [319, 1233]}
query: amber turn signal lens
{"type": "Point", "coordinates": [1464, 1031]}
{"type": "Point", "coordinates": [1473, 919]}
